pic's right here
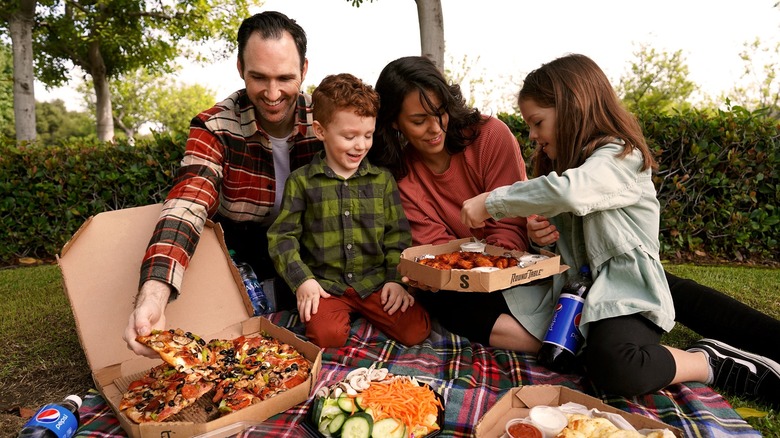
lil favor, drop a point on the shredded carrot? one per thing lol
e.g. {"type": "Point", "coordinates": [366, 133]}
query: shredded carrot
{"type": "Point", "coordinates": [403, 400]}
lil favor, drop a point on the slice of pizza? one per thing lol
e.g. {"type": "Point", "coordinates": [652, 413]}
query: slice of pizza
{"type": "Point", "coordinates": [183, 350]}
{"type": "Point", "coordinates": [161, 393]}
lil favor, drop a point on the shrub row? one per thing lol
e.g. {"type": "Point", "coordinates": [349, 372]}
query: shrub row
{"type": "Point", "coordinates": [47, 192]}
{"type": "Point", "coordinates": [718, 184]}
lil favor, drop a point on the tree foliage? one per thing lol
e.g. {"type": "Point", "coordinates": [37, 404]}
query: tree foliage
{"type": "Point", "coordinates": [6, 91]}
{"type": "Point", "coordinates": [760, 84]}
{"type": "Point", "coordinates": [109, 38]}
{"type": "Point", "coordinates": [55, 124]}
{"type": "Point", "coordinates": [657, 81]}
{"type": "Point", "coordinates": [142, 98]}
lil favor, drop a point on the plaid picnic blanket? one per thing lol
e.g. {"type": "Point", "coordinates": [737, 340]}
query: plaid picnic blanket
{"type": "Point", "coordinates": [471, 378]}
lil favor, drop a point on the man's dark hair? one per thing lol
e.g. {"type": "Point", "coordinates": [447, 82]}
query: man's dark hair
{"type": "Point", "coordinates": [271, 24]}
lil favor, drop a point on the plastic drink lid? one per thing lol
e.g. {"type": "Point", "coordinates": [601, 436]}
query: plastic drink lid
{"type": "Point", "coordinates": [75, 399]}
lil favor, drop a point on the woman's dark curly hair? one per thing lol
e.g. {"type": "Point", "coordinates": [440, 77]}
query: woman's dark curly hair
{"type": "Point", "coordinates": [407, 75]}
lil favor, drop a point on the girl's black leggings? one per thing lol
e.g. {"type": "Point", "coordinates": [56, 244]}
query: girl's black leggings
{"type": "Point", "coordinates": [713, 314]}
{"type": "Point", "coordinates": [624, 355]}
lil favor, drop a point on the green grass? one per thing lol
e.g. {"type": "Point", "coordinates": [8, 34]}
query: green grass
{"type": "Point", "coordinates": [755, 286]}
{"type": "Point", "coordinates": [41, 359]}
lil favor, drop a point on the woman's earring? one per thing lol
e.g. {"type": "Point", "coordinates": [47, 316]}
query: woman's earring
{"type": "Point", "coordinates": [402, 141]}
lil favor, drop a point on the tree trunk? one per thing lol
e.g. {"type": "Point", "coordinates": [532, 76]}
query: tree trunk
{"type": "Point", "coordinates": [21, 25]}
{"type": "Point", "coordinates": [431, 19]}
{"type": "Point", "coordinates": [103, 112]}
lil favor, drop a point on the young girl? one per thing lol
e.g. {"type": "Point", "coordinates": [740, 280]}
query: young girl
{"type": "Point", "coordinates": [596, 189]}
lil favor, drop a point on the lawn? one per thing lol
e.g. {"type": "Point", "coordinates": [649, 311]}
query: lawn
{"type": "Point", "coordinates": [41, 360]}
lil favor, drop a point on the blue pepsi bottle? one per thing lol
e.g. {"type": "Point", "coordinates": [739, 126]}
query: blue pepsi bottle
{"type": "Point", "coordinates": [57, 420]}
{"type": "Point", "coordinates": [564, 339]}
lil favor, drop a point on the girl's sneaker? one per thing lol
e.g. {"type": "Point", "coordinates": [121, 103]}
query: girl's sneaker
{"type": "Point", "coordinates": [740, 372]}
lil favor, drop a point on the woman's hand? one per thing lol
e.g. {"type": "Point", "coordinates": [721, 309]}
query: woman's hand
{"type": "Point", "coordinates": [416, 285]}
{"type": "Point", "coordinates": [540, 231]}
{"type": "Point", "coordinates": [474, 213]}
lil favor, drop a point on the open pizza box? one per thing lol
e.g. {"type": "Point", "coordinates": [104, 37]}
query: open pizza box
{"type": "Point", "coordinates": [470, 280]}
{"type": "Point", "coordinates": [518, 401]}
{"type": "Point", "coordinates": [101, 269]}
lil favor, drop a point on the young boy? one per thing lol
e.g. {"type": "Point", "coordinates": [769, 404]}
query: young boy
{"type": "Point", "coordinates": [341, 228]}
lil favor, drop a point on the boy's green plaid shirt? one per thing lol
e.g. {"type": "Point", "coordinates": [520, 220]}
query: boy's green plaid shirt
{"type": "Point", "coordinates": [342, 232]}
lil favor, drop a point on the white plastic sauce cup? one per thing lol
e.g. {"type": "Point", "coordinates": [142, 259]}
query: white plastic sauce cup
{"type": "Point", "coordinates": [550, 420]}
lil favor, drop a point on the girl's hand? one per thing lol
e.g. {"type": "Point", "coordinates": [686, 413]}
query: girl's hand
{"type": "Point", "coordinates": [394, 297]}
{"type": "Point", "coordinates": [474, 213]}
{"type": "Point", "coordinates": [308, 296]}
{"type": "Point", "coordinates": [540, 231]}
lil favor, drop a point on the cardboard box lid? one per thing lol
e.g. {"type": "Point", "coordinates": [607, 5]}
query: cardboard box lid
{"type": "Point", "coordinates": [101, 269]}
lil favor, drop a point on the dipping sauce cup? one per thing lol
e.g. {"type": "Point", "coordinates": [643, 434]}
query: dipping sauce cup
{"type": "Point", "coordinates": [472, 247]}
{"type": "Point", "coordinates": [522, 428]}
{"type": "Point", "coordinates": [548, 419]}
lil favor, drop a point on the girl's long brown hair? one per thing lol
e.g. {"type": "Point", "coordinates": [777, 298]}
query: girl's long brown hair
{"type": "Point", "coordinates": [588, 111]}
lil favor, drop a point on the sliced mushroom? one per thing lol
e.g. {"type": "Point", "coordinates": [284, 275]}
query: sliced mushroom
{"type": "Point", "coordinates": [357, 371]}
{"type": "Point", "coordinates": [337, 392]}
{"type": "Point", "coordinates": [378, 374]}
{"type": "Point", "coordinates": [348, 388]}
{"type": "Point", "coordinates": [322, 392]}
{"type": "Point", "coordinates": [359, 382]}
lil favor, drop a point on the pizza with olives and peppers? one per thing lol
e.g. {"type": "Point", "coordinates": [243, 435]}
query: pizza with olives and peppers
{"type": "Point", "coordinates": [241, 372]}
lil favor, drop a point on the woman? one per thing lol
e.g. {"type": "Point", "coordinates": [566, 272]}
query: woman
{"type": "Point", "coordinates": [443, 152]}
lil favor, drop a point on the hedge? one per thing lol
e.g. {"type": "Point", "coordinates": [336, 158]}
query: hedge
{"type": "Point", "coordinates": [47, 192]}
{"type": "Point", "coordinates": [718, 184]}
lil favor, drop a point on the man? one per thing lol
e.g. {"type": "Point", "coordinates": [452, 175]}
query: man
{"type": "Point", "coordinates": [238, 156]}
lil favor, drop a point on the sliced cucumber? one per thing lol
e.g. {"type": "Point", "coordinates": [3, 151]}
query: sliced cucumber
{"type": "Point", "coordinates": [335, 425]}
{"type": "Point", "coordinates": [316, 409]}
{"type": "Point", "coordinates": [360, 403]}
{"type": "Point", "coordinates": [347, 404]}
{"type": "Point", "coordinates": [389, 428]}
{"type": "Point", "coordinates": [358, 425]}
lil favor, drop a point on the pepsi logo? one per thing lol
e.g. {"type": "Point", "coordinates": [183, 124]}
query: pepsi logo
{"type": "Point", "coordinates": [558, 307]}
{"type": "Point", "coordinates": [49, 415]}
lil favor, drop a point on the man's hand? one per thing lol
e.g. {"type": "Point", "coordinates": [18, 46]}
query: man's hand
{"type": "Point", "coordinates": [540, 231]}
{"type": "Point", "coordinates": [394, 297]}
{"type": "Point", "coordinates": [149, 314]}
{"type": "Point", "coordinates": [474, 213]}
{"type": "Point", "coordinates": [308, 296]}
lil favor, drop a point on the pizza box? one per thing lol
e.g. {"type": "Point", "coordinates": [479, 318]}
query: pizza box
{"type": "Point", "coordinates": [470, 280]}
{"type": "Point", "coordinates": [100, 267]}
{"type": "Point", "coordinates": [518, 401]}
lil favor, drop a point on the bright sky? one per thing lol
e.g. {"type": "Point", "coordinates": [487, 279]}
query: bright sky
{"type": "Point", "coordinates": [503, 40]}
